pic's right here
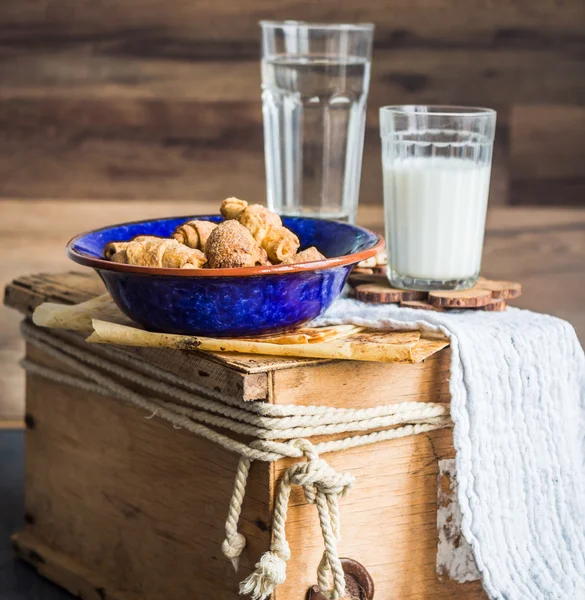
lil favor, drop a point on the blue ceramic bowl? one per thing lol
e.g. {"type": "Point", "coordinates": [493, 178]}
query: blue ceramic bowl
{"type": "Point", "coordinates": [228, 302]}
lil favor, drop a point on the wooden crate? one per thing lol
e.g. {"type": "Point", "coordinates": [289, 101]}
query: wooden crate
{"type": "Point", "coordinates": [123, 507]}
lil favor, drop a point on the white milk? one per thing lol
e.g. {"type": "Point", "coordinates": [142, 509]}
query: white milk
{"type": "Point", "coordinates": [435, 219]}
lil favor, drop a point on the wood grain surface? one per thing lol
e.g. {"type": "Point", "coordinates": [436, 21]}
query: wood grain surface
{"type": "Point", "coordinates": [396, 483]}
{"type": "Point", "coordinates": [547, 150]}
{"type": "Point", "coordinates": [396, 488]}
{"type": "Point", "coordinates": [384, 294]}
{"type": "Point", "coordinates": [162, 99]}
{"type": "Point", "coordinates": [132, 498]}
{"type": "Point", "coordinates": [461, 299]}
{"type": "Point", "coordinates": [541, 248]}
{"type": "Point", "coordinates": [450, 22]}
{"type": "Point", "coordinates": [136, 540]}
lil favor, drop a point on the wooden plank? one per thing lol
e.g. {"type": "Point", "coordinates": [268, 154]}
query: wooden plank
{"type": "Point", "coordinates": [511, 222]}
{"type": "Point", "coordinates": [89, 89]}
{"type": "Point", "coordinates": [389, 521]}
{"type": "Point", "coordinates": [63, 570]}
{"type": "Point", "coordinates": [127, 169]}
{"type": "Point", "coordinates": [547, 141]}
{"type": "Point", "coordinates": [370, 383]}
{"type": "Point", "coordinates": [26, 293]}
{"type": "Point", "coordinates": [185, 28]}
{"type": "Point", "coordinates": [396, 481]}
{"type": "Point", "coordinates": [68, 288]}
{"type": "Point", "coordinates": [70, 217]}
{"type": "Point", "coordinates": [132, 148]}
{"type": "Point", "coordinates": [134, 499]}
{"type": "Point", "coordinates": [86, 121]}
{"type": "Point", "coordinates": [548, 192]}
{"type": "Point", "coordinates": [547, 154]}
{"type": "Point", "coordinates": [533, 254]}
{"type": "Point", "coordinates": [97, 168]}
{"type": "Point", "coordinates": [201, 369]}
{"type": "Point", "coordinates": [208, 373]}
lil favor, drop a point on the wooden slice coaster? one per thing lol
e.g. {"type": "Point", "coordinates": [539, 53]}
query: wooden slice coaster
{"type": "Point", "coordinates": [503, 290]}
{"type": "Point", "coordinates": [473, 298]}
{"type": "Point", "coordinates": [370, 285]}
{"type": "Point", "coordinates": [382, 293]}
{"type": "Point", "coordinates": [495, 306]}
{"type": "Point", "coordinates": [422, 305]}
{"type": "Point", "coordinates": [359, 279]}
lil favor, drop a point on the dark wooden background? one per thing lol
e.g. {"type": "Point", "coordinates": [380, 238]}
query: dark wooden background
{"type": "Point", "coordinates": [156, 99]}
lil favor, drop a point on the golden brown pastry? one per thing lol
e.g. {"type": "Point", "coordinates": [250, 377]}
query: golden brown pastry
{"type": "Point", "coordinates": [280, 244]}
{"type": "Point", "coordinates": [160, 252]}
{"type": "Point", "coordinates": [308, 255]}
{"type": "Point", "coordinates": [194, 233]}
{"type": "Point", "coordinates": [266, 227]}
{"type": "Point", "coordinates": [114, 247]}
{"type": "Point", "coordinates": [232, 207]}
{"type": "Point", "coordinates": [257, 219]}
{"type": "Point", "coordinates": [231, 245]}
{"type": "Point", "coordinates": [120, 257]}
{"type": "Point", "coordinates": [251, 235]}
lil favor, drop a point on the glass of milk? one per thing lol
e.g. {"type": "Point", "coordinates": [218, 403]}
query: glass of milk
{"type": "Point", "coordinates": [436, 163]}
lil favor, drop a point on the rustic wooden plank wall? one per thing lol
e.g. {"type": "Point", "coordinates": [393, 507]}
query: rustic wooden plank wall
{"type": "Point", "coordinates": [547, 154]}
{"type": "Point", "coordinates": [160, 98]}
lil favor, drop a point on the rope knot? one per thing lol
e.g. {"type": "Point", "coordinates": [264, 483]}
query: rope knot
{"type": "Point", "coordinates": [323, 486]}
{"type": "Point", "coordinates": [318, 476]}
{"type": "Point", "coordinates": [270, 572]}
{"type": "Point", "coordinates": [232, 548]}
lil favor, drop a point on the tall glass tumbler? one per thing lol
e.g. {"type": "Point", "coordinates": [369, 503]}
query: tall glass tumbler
{"type": "Point", "coordinates": [315, 81]}
{"type": "Point", "coordinates": [436, 163]}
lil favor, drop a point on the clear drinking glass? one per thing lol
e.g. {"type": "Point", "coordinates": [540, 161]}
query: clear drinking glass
{"type": "Point", "coordinates": [436, 162]}
{"type": "Point", "coordinates": [315, 81]}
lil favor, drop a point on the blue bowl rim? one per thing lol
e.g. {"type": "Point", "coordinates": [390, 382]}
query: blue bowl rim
{"type": "Point", "coordinates": [328, 263]}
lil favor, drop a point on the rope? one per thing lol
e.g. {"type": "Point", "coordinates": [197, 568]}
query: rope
{"type": "Point", "coordinates": [276, 431]}
{"type": "Point", "coordinates": [322, 486]}
{"type": "Point", "coordinates": [234, 541]}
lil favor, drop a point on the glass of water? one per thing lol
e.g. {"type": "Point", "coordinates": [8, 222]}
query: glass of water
{"type": "Point", "coordinates": [315, 81]}
{"type": "Point", "coordinates": [436, 162]}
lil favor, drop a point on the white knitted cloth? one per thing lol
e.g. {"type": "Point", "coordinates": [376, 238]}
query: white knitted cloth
{"type": "Point", "coordinates": [518, 405]}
